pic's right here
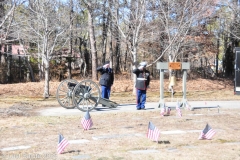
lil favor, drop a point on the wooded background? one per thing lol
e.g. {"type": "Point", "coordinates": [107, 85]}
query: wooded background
{"type": "Point", "coordinates": [58, 39]}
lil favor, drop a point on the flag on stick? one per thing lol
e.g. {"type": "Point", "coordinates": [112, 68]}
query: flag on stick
{"type": "Point", "coordinates": [153, 133]}
{"type": "Point", "coordinates": [207, 133]}
{"type": "Point", "coordinates": [62, 144]}
{"type": "Point", "coordinates": [163, 110]}
{"type": "Point", "coordinates": [188, 105]}
{"type": "Point", "coordinates": [87, 121]}
{"type": "Point", "coordinates": [178, 110]}
{"type": "Point", "coordinates": [168, 110]}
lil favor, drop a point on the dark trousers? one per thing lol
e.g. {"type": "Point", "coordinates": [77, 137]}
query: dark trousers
{"type": "Point", "coordinates": [106, 91]}
{"type": "Point", "coordinates": [141, 98]}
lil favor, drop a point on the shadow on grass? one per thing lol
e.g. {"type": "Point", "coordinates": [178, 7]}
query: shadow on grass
{"type": "Point", "coordinates": [72, 151]}
{"type": "Point", "coordinates": [163, 142]}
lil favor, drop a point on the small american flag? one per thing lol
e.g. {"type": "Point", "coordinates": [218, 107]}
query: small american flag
{"type": "Point", "coordinates": [188, 106]}
{"type": "Point", "coordinates": [153, 132]}
{"type": "Point", "coordinates": [168, 110]}
{"type": "Point", "coordinates": [62, 144]}
{"type": "Point", "coordinates": [207, 133]}
{"type": "Point", "coordinates": [163, 110]}
{"type": "Point", "coordinates": [179, 113]}
{"type": "Point", "coordinates": [87, 121]}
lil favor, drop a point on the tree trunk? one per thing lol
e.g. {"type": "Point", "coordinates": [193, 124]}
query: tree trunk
{"type": "Point", "coordinates": [19, 66]}
{"type": "Point", "coordinates": [70, 42]}
{"type": "Point", "coordinates": [125, 60]}
{"type": "Point", "coordinates": [9, 61]}
{"type": "Point", "coordinates": [111, 35]}
{"type": "Point", "coordinates": [93, 45]}
{"type": "Point", "coordinates": [117, 58]}
{"type": "Point", "coordinates": [30, 69]}
{"type": "Point", "coordinates": [133, 42]}
{"type": "Point", "coordinates": [217, 57]}
{"type": "Point", "coordinates": [0, 54]}
{"type": "Point", "coordinates": [46, 82]}
{"type": "Point", "coordinates": [134, 53]}
{"type": "Point", "coordinates": [1, 16]}
{"type": "Point", "coordinates": [86, 56]}
{"type": "Point", "coordinates": [104, 33]}
{"type": "Point", "coordinates": [69, 67]}
{"type": "Point", "coordinates": [71, 28]}
{"type": "Point", "coordinates": [117, 46]}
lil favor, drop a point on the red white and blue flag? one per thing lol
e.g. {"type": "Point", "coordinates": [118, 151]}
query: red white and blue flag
{"type": "Point", "coordinates": [207, 133]}
{"type": "Point", "coordinates": [163, 109]}
{"type": "Point", "coordinates": [188, 105]}
{"type": "Point", "coordinates": [179, 113]}
{"type": "Point", "coordinates": [86, 121]}
{"type": "Point", "coordinates": [62, 144]}
{"type": "Point", "coordinates": [153, 133]}
{"type": "Point", "coordinates": [168, 110]}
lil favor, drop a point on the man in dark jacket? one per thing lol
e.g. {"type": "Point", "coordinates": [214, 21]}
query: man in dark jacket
{"type": "Point", "coordinates": [106, 80]}
{"type": "Point", "coordinates": [142, 83]}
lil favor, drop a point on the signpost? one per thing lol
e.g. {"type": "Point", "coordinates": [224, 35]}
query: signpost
{"type": "Point", "coordinates": [184, 66]}
{"type": "Point", "coordinates": [174, 65]}
{"type": "Point", "coordinates": [177, 66]}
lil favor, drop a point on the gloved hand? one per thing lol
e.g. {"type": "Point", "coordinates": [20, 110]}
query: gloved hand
{"type": "Point", "coordinates": [140, 67]}
{"type": "Point", "coordinates": [106, 66]}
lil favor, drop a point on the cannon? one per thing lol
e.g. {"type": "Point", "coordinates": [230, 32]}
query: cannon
{"type": "Point", "coordinates": [84, 95]}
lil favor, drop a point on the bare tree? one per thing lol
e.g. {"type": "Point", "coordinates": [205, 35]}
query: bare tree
{"type": "Point", "coordinates": [229, 21]}
{"type": "Point", "coordinates": [176, 19]}
{"type": "Point", "coordinates": [128, 18]}
{"type": "Point", "coordinates": [6, 18]}
{"type": "Point", "coordinates": [105, 22]}
{"type": "Point", "coordinates": [233, 19]}
{"type": "Point", "coordinates": [131, 17]}
{"type": "Point", "coordinates": [7, 10]}
{"type": "Point", "coordinates": [43, 23]}
{"type": "Point", "coordinates": [70, 40]}
{"type": "Point", "coordinates": [115, 43]}
{"type": "Point", "coordinates": [90, 8]}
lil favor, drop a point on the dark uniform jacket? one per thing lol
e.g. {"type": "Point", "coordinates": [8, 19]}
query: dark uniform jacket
{"type": "Point", "coordinates": [107, 76]}
{"type": "Point", "coordinates": [143, 79]}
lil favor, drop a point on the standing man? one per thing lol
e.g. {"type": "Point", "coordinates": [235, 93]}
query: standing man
{"type": "Point", "coordinates": [142, 83]}
{"type": "Point", "coordinates": [106, 80]}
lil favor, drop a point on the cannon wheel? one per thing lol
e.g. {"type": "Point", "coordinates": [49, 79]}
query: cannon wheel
{"type": "Point", "coordinates": [64, 94]}
{"type": "Point", "coordinates": [86, 95]}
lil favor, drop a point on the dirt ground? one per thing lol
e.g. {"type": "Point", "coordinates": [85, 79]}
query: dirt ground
{"type": "Point", "coordinates": [122, 135]}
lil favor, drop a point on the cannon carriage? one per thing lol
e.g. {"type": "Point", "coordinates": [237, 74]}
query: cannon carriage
{"type": "Point", "coordinates": [84, 95]}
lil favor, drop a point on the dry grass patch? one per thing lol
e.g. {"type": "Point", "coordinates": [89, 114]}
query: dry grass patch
{"type": "Point", "coordinates": [114, 136]}
{"type": "Point", "coordinates": [117, 135]}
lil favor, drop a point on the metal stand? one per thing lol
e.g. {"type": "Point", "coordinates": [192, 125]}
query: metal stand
{"type": "Point", "coordinates": [202, 107]}
{"type": "Point", "coordinates": [184, 99]}
{"type": "Point", "coordinates": [162, 66]}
